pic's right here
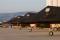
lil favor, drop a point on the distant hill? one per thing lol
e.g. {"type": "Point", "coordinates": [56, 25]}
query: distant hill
{"type": "Point", "coordinates": [8, 16]}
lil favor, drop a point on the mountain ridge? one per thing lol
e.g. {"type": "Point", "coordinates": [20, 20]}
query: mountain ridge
{"type": "Point", "coordinates": [8, 16]}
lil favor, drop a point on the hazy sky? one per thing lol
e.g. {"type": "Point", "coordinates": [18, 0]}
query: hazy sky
{"type": "Point", "coordinates": [21, 5]}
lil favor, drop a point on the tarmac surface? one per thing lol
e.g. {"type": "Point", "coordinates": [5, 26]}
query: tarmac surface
{"type": "Point", "coordinates": [15, 34]}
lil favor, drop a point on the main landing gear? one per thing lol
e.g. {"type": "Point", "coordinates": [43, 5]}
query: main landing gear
{"type": "Point", "coordinates": [51, 33]}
